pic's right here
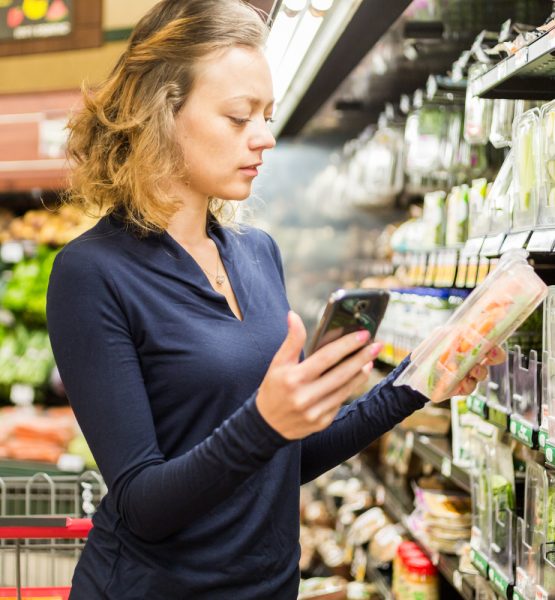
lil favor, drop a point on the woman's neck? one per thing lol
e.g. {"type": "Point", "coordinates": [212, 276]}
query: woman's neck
{"type": "Point", "coordinates": [188, 224]}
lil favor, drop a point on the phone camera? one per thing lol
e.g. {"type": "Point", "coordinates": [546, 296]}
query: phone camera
{"type": "Point", "coordinates": [361, 306]}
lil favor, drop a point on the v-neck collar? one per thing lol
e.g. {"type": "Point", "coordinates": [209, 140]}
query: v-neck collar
{"type": "Point", "coordinates": [229, 249]}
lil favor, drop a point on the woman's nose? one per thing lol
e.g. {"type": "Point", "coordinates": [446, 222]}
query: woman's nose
{"type": "Point", "coordinates": [262, 138]}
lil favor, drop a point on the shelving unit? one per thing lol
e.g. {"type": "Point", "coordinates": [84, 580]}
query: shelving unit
{"type": "Point", "coordinates": [529, 74]}
{"type": "Point", "coordinates": [397, 503]}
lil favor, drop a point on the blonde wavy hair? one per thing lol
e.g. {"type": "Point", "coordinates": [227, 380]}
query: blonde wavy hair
{"type": "Point", "coordinates": [122, 145]}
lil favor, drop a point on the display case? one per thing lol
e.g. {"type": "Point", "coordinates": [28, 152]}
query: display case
{"type": "Point", "coordinates": [546, 216]}
{"type": "Point", "coordinates": [526, 157]}
{"type": "Point", "coordinates": [478, 112]}
{"type": "Point", "coordinates": [526, 397]}
{"type": "Point", "coordinates": [499, 395]}
{"type": "Point", "coordinates": [499, 200]}
{"type": "Point", "coordinates": [502, 123]}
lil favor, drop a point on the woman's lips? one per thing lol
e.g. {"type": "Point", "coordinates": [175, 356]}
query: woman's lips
{"type": "Point", "coordinates": [251, 171]}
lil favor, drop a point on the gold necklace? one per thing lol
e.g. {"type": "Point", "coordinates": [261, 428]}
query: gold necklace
{"type": "Point", "coordinates": [220, 279]}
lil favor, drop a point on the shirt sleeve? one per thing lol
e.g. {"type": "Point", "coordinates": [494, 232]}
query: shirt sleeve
{"type": "Point", "coordinates": [100, 369]}
{"type": "Point", "coordinates": [358, 424]}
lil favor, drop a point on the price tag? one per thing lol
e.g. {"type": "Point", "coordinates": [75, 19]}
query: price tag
{"type": "Point", "coordinates": [515, 241]}
{"type": "Point", "coordinates": [500, 582]}
{"type": "Point", "coordinates": [472, 246]}
{"type": "Point", "coordinates": [542, 439]}
{"type": "Point", "coordinates": [521, 57]}
{"type": "Point", "coordinates": [502, 70]}
{"type": "Point", "coordinates": [71, 463]}
{"type": "Point", "coordinates": [523, 432]}
{"type": "Point", "coordinates": [379, 495]}
{"type": "Point", "coordinates": [22, 395]}
{"type": "Point", "coordinates": [457, 580]}
{"type": "Point", "coordinates": [446, 467]}
{"type": "Point", "coordinates": [549, 453]}
{"type": "Point", "coordinates": [12, 252]}
{"type": "Point", "coordinates": [541, 594]}
{"type": "Point", "coordinates": [541, 241]}
{"type": "Point", "coordinates": [492, 245]}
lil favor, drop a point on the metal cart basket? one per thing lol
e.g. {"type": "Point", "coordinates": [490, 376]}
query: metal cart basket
{"type": "Point", "coordinates": [44, 521]}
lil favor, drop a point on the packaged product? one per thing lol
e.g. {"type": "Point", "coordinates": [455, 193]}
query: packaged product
{"type": "Point", "coordinates": [486, 318]}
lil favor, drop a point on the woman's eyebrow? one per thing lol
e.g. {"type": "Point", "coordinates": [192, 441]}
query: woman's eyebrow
{"type": "Point", "coordinates": [252, 99]}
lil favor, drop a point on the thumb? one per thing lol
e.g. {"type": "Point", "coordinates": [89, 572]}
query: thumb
{"type": "Point", "coordinates": [293, 344]}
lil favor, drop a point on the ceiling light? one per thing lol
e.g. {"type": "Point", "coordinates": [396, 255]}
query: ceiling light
{"type": "Point", "coordinates": [321, 5]}
{"type": "Point", "coordinates": [294, 5]}
{"type": "Point", "coordinates": [281, 33]}
{"type": "Point", "coordinates": [302, 39]}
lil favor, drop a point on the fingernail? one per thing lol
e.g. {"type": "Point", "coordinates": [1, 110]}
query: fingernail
{"type": "Point", "coordinates": [363, 335]}
{"type": "Point", "coordinates": [376, 349]}
{"type": "Point", "coordinates": [367, 368]}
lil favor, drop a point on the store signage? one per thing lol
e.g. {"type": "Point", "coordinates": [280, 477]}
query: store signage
{"type": "Point", "coordinates": [477, 404]}
{"type": "Point", "coordinates": [35, 19]}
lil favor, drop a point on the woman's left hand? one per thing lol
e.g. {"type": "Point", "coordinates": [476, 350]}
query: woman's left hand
{"type": "Point", "coordinates": [496, 356]}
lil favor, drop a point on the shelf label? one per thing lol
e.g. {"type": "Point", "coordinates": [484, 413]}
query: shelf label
{"type": "Point", "coordinates": [12, 252]}
{"type": "Point", "coordinates": [457, 580]}
{"type": "Point", "coordinates": [498, 417]}
{"type": "Point", "coordinates": [523, 432]}
{"type": "Point", "coordinates": [502, 70]}
{"type": "Point", "coordinates": [446, 467]}
{"type": "Point", "coordinates": [515, 241]}
{"type": "Point", "coordinates": [542, 241]}
{"type": "Point", "coordinates": [521, 57]}
{"type": "Point", "coordinates": [542, 439]}
{"type": "Point", "coordinates": [477, 404]}
{"type": "Point", "coordinates": [492, 245]}
{"type": "Point", "coordinates": [550, 453]}
{"type": "Point", "coordinates": [500, 581]}
{"type": "Point", "coordinates": [22, 394]}
{"type": "Point", "coordinates": [541, 594]}
{"type": "Point", "coordinates": [479, 561]}
{"type": "Point", "coordinates": [472, 246]}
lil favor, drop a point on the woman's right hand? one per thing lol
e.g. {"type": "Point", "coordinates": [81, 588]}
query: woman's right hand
{"type": "Point", "coordinates": [298, 399]}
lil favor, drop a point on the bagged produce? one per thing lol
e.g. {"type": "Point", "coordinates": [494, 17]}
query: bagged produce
{"type": "Point", "coordinates": [486, 318]}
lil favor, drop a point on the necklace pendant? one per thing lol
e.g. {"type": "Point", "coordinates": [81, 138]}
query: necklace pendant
{"type": "Point", "coordinates": [220, 279]}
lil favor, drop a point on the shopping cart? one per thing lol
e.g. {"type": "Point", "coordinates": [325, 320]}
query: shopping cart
{"type": "Point", "coordinates": [44, 521]}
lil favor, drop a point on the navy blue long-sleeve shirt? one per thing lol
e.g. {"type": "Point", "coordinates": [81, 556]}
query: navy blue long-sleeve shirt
{"type": "Point", "coordinates": [203, 495]}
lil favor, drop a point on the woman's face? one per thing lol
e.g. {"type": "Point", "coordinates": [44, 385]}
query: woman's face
{"type": "Point", "coordinates": [223, 127]}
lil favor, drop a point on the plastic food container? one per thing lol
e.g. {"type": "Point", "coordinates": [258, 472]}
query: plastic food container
{"type": "Point", "coordinates": [478, 112]}
{"type": "Point", "coordinates": [547, 153]}
{"type": "Point", "coordinates": [502, 123]}
{"type": "Point", "coordinates": [527, 174]}
{"type": "Point", "coordinates": [493, 311]}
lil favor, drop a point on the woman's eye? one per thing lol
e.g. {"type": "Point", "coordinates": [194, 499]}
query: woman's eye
{"type": "Point", "coordinates": [239, 121]}
{"type": "Point", "coordinates": [270, 120]}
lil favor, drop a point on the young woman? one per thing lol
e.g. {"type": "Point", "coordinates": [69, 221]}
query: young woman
{"type": "Point", "coordinates": [172, 331]}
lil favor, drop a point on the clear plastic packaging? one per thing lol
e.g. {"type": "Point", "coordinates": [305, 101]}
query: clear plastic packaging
{"type": "Point", "coordinates": [547, 162]}
{"type": "Point", "coordinates": [434, 219]}
{"type": "Point", "coordinates": [499, 200]}
{"type": "Point", "coordinates": [487, 318]}
{"type": "Point", "coordinates": [499, 386]}
{"type": "Point", "coordinates": [527, 175]}
{"type": "Point", "coordinates": [478, 112]}
{"type": "Point", "coordinates": [425, 133]}
{"type": "Point", "coordinates": [531, 531]}
{"type": "Point", "coordinates": [478, 221]}
{"type": "Point", "coordinates": [502, 508]}
{"type": "Point", "coordinates": [502, 123]}
{"type": "Point", "coordinates": [526, 395]}
{"type": "Point", "coordinates": [456, 230]}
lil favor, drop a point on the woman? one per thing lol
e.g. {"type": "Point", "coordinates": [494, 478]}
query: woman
{"type": "Point", "coordinates": [173, 335]}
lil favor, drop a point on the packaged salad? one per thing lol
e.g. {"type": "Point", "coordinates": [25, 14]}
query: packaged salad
{"type": "Point", "coordinates": [492, 312]}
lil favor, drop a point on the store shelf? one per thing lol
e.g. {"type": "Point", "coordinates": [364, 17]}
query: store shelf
{"type": "Point", "coordinates": [375, 576]}
{"type": "Point", "coordinates": [396, 501]}
{"type": "Point", "coordinates": [437, 452]}
{"type": "Point", "coordinates": [526, 75]}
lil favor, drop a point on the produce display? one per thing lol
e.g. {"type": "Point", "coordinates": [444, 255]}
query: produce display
{"type": "Point", "coordinates": [25, 292]}
{"type": "Point", "coordinates": [51, 227]}
{"type": "Point", "coordinates": [489, 315]}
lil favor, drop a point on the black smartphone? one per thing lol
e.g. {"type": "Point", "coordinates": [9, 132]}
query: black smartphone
{"type": "Point", "coordinates": [348, 311]}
